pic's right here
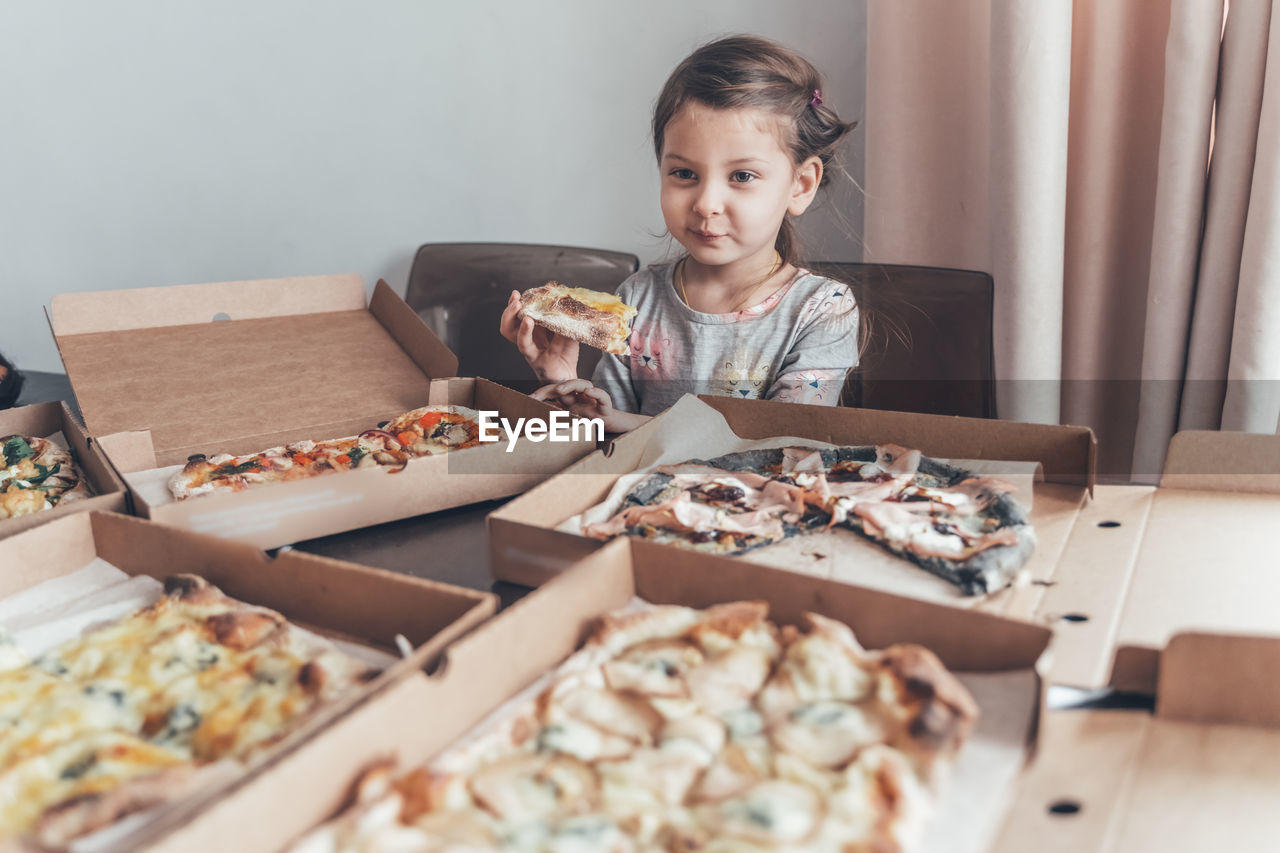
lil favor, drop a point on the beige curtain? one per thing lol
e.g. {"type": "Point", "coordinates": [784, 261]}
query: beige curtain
{"type": "Point", "coordinates": [1065, 147]}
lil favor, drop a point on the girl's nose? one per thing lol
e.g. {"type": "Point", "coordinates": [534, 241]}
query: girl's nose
{"type": "Point", "coordinates": [707, 204]}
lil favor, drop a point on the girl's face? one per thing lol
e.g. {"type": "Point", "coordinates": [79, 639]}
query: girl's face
{"type": "Point", "coordinates": [727, 184]}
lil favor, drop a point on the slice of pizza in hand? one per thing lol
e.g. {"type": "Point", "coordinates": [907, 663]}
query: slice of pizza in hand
{"type": "Point", "coordinates": [597, 319]}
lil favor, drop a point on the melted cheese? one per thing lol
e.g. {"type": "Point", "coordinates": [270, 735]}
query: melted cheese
{"type": "Point", "coordinates": [151, 691]}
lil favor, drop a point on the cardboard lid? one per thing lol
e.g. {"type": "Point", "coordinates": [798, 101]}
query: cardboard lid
{"type": "Point", "coordinates": [1223, 462]}
{"type": "Point", "coordinates": [1220, 678]}
{"type": "Point", "coordinates": [202, 365]}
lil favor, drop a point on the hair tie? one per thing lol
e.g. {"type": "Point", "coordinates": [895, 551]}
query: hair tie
{"type": "Point", "coordinates": [816, 100]}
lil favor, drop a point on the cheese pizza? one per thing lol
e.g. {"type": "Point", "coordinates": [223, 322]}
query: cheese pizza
{"type": "Point", "coordinates": [684, 729]}
{"type": "Point", "coordinates": [121, 718]}
{"type": "Point", "coordinates": [35, 475]}
{"type": "Point", "coordinates": [963, 528]}
{"type": "Point", "coordinates": [598, 319]}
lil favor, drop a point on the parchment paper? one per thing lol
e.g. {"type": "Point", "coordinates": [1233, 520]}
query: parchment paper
{"type": "Point", "coordinates": [152, 485]}
{"type": "Point", "coordinates": [693, 430]}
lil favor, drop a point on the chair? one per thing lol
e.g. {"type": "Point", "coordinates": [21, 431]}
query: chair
{"type": "Point", "coordinates": [929, 345]}
{"type": "Point", "coordinates": [460, 290]}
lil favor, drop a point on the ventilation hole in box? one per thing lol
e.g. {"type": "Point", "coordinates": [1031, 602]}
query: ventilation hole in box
{"type": "Point", "coordinates": [1075, 617]}
{"type": "Point", "coordinates": [438, 665]}
{"type": "Point", "coordinates": [1108, 524]}
{"type": "Point", "coordinates": [1065, 807]}
{"type": "Point", "coordinates": [221, 317]}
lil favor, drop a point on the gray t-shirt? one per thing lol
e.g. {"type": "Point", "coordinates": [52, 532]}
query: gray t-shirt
{"type": "Point", "coordinates": [796, 345]}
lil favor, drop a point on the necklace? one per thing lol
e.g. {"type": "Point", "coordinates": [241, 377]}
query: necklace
{"type": "Point", "coordinates": [773, 270]}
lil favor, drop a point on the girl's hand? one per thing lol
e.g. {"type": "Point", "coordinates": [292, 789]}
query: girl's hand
{"type": "Point", "coordinates": [554, 358]}
{"type": "Point", "coordinates": [584, 400]}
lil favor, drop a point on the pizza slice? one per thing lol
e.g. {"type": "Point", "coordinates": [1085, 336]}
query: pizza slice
{"type": "Point", "coordinates": [36, 475]}
{"type": "Point", "coordinates": [431, 430]}
{"type": "Point", "coordinates": [727, 505]}
{"type": "Point", "coordinates": [597, 319]}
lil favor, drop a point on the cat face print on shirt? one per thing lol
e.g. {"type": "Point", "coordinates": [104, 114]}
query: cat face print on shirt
{"type": "Point", "coordinates": [651, 353]}
{"type": "Point", "coordinates": [834, 303]}
{"type": "Point", "coordinates": [810, 386]}
{"type": "Point", "coordinates": [740, 378]}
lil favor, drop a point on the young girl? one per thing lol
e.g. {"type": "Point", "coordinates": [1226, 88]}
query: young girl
{"type": "Point", "coordinates": [743, 142]}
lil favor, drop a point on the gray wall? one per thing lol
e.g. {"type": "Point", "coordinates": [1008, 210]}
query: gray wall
{"type": "Point", "coordinates": [155, 142]}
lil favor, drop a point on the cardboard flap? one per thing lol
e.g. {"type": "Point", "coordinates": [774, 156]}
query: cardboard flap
{"type": "Point", "coordinates": [1068, 454]}
{"type": "Point", "coordinates": [1207, 460]}
{"type": "Point", "coordinates": [129, 451]}
{"type": "Point", "coordinates": [192, 304]}
{"type": "Point", "coordinates": [1220, 678]}
{"type": "Point", "coordinates": [435, 359]}
{"type": "Point", "coordinates": [289, 358]}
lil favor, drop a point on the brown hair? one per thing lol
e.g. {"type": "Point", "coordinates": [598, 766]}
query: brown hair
{"type": "Point", "coordinates": [749, 72]}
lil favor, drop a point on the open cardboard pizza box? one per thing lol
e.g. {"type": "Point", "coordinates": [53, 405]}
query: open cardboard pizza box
{"type": "Point", "coordinates": [1103, 552]}
{"type": "Point", "coordinates": [238, 367]}
{"type": "Point", "coordinates": [999, 659]}
{"type": "Point", "coordinates": [1201, 773]}
{"type": "Point", "coordinates": [55, 421]}
{"type": "Point", "coordinates": [50, 585]}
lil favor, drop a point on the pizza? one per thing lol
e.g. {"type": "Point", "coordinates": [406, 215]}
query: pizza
{"type": "Point", "coordinates": [966, 529]}
{"type": "Point", "coordinates": [591, 317]}
{"type": "Point", "coordinates": [123, 717]}
{"type": "Point", "coordinates": [435, 429]}
{"type": "Point", "coordinates": [683, 729]}
{"type": "Point", "coordinates": [422, 432]}
{"type": "Point", "coordinates": [36, 475]}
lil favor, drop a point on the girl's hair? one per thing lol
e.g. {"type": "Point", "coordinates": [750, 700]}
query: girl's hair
{"type": "Point", "coordinates": [749, 72]}
{"type": "Point", "coordinates": [10, 384]}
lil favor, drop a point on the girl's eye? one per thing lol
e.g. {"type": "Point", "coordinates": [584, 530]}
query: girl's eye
{"type": "Point", "coordinates": [742, 177]}
{"type": "Point", "coordinates": [682, 174]}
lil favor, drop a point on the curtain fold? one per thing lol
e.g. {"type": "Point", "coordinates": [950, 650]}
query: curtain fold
{"type": "Point", "coordinates": [1065, 146]}
{"type": "Point", "coordinates": [1252, 402]}
{"type": "Point", "coordinates": [1030, 85]}
{"type": "Point", "coordinates": [1191, 63]}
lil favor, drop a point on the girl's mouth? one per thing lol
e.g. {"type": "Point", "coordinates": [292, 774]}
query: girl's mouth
{"type": "Point", "coordinates": [706, 236]}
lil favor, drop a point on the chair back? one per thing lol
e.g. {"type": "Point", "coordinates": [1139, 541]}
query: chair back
{"type": "Point", "coordinates": [929, 338]}
{"type": "Point", "coordinates": [460, 290]}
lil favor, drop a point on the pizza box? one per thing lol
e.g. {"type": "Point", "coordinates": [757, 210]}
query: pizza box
{"type": "Point", "coordinates": [422, 714]}
{"type": "Point", "coordinates": [238, 367]}
{"type": "Point", "coordinates": [1200, 773]}
{"type": "Point", "coordinates": [360, 607]}
{"type": "Point", "coordinates": [1116, 570]}
{"type": "Point", "coordinates": [43, 420]}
